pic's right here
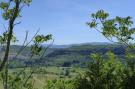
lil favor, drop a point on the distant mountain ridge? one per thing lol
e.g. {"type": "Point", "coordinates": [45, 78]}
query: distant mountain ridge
{"type": "Point", "coordinates": [78, 44]}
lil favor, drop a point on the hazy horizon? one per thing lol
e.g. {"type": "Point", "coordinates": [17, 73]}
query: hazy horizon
{"type": "Point", "coordinates": [48, 43]}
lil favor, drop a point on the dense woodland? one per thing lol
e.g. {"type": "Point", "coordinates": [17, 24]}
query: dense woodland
{"type": "Point", "coordinates": [84, 66]}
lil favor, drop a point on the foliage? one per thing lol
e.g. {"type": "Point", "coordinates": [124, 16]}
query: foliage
{"type": "Point", "coordinates": [109, 74]}
{"type": "Point", "coordinates": [4, 36]}
{"type": "Point", "coordinates": [37, 47]}
{"type": "Point", "coordinates": [60, 84]}
{"type": "Point", "coordinates": [119, 28]}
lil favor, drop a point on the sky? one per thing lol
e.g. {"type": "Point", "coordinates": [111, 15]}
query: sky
{"type": "Point", "coordinates": [66, 19]}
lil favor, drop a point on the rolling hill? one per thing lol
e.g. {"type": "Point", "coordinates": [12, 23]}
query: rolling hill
{"type": "Point", "coordinates": [63, 55]}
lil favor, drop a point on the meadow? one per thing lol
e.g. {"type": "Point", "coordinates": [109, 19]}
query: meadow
{"type": "Point", "coordinates": [44, 74]}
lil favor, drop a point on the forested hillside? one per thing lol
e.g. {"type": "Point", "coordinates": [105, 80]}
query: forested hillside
{"type": "Point", "coordinates": [65, 56]}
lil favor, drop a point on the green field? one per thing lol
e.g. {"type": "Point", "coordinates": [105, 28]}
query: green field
{"type": "Point", "coordinates": [43, 74]}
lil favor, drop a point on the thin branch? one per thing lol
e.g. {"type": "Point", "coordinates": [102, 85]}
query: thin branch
{"type": "Point", "coordinates": [105, 36]}
{"type": "Point", "coordinates": [47, 48]}
{"type": "Point", "coordinates": [38, 66]}
{"type": "Point", "coordinates": [17, 23]}
{"type": "Point", "coordinates": [23, 47]}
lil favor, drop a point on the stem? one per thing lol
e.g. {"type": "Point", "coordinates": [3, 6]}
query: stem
{"type": "Point", "coordinates": [6, 76]}
{"type": "Point", "coordinates": [10, 33]}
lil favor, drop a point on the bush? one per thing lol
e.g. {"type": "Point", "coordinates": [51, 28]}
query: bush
{"type": "Point", "coordinates": [106, 74]}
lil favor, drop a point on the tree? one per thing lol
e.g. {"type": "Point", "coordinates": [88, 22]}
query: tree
{"type": "Point", "coordinates": [11, 12]}
{"type": "Point", "coordinates": [118, 30]}
{"type": "Point", "coordinates": [102, 73]}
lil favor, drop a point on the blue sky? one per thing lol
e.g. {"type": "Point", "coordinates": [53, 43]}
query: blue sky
{"type": "Point", "coordinates": [66, 19]}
